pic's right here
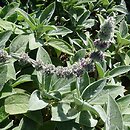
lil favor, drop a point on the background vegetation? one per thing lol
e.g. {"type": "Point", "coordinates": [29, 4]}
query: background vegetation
{"type": "Point", "coordinates": [64, 65]}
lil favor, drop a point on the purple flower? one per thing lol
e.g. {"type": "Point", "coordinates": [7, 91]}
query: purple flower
{"type": "Point", "coordinates": [97, 56]}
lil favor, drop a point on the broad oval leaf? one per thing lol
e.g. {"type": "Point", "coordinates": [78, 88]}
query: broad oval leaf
{"type": "Point", "coordinates": [85, 118]}
{"type": "Point", "coordinates": [93, 89]}
{"type": "Point", "coordinates": [85, 1]}
{"type": "Point", "coordinates": [35, 102]}
{"type": "Point", "coordinates": [3, 76]}
{"type": "Point", "coordinates": [3, 114]}
{"type": "Point", "coordinates": [114, 118]}
{"type": "Point", "coordinates": [27, 18]}
{"type": "Point", "coordinates": [6, 25]}
{"type": "Point", "coordinates": [32, 42]}
{"type": "Point", "coordinates": [63, 112]}
{"type": "Point", "coordinates": [4, 37]}
{"type": "Point", "coordinates": [124, 103]}
{"type": "Point", "coordinates": [119, 8]}
{"type": "Point", "coordinates": [43, 56]}
{"type": "Point", "coordinates": [79, 55]}
{"type": "Point", "coordinates": [61, 45]}
{"type": "Point", "coordinates": [60, 30]}
{"type": "Point", "coordinates": [17, 103]}
{"type": "Point", "coordinates": [84, 82]}
{"type": "Point", "coordinates": [19, 44]}
{"type": "Point", "coordinates": [118, 71]}
{"type": "Point", "coordinates": [99, 70]}
{"type": "Point", "coordinates": [47, 13]}
{"type": "Point", "coordinates": [68, 125]}
{"type": "Point", "coordinates": [22, 79]}
{"type": "Point", "coordinates": [8, 10]}
{"type": "Point", "coordinates": [123, 28]}
{"type": "Point", "coordinates": [83, 17]}
{"type": "Point", "coordinates": [113, 90]}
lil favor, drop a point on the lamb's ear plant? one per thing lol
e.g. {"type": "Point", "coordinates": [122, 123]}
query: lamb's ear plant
{"type": "Point", "coordinates": [64, 65]}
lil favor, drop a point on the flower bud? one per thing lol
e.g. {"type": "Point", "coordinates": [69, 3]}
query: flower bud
{"type": "Point", "coordinates": [23, 59]}
{"type": "Point", "coordinates": [3, 56]}
{"type": "Point", "coordinates": [97, 56]}
{"type": "Point", "coordinates": [107, 30]}
{"type": "Point", "coordinates": [38, 65]}
{"type": "Point", "coordinates": [49, 69]}
{"type": "Point", "coordinates": [101, 45]}
{"type": "Point", "coordinates": [77, 69]}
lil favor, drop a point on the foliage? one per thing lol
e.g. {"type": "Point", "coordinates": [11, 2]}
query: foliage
{"type": "Point", "coordinates": [64, 64]}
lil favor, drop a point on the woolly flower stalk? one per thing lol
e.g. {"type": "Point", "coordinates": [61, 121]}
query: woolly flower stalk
{"type": "Point", "coordinates": [76, 69]}
{"type": "Point", "coordinates": [107, 30]}
{"type": "Point", "coordinates": [101, 45]}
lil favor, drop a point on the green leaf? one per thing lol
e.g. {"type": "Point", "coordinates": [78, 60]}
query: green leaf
{"type": "Point", "coordinates": [119, 70]}
{"type": "Point", "coordinates": [96, 109]}
{"type": "Point", "coordinates": [119, 8]}
{"type": "Point", "coordinates": [3, 114]}
{"type": "Point", "coordinates": [4, 37]}
{"type": "Point", "coordinates": [119, 18]}
{"type": "Point", "coordinates": [11, 74]}
{"type": "Point", "coordinates": [105, 2]}
{"type": "Point", "coordinates": [83, 17]}
{"type": "Point", "coordinates": [63, 85]}
{"type": "Point", "coordinates": [123, 103]}
{"type": "Point", "coordinates": [85, 106]}
{"type": "Point", "coordinates": [101, 112]}
{"type": "Point", "coordinates": [61, 45]}
{"type": "Point", "coordinates": [47, 13]}
{"type": "Point", "coordinates": [14, 104]}
{"type": "Point", "coordinates": [122, 41]}
{"type": "Point", "coordinates": [79, 55]}
{"type": "Point", "coordinates": [87, 24]}
{"type": "Point", "coordinates": [93, 89]}
{"type": "Point", "coordinates": [101, 19]}
{"type": "Point", "coordinates": [35, 116]}
{"type": "Point", "coordinates": [27, 124]}
{"type": "Point", "coordinates": [6, 91]}
{"type": "Point", "coordinates": [84, 82]}
{"type": "Point", "coordinates": [60, 30]}
{"type": "Point", "coordinates": [33, 44]}
{"type": "Point", "coordinates": [123, 28]}
{"type": "Point", "coordinates": [114, 118]}
{"type": "Point", "coordinates": [43, 56]}
{"type": "Point", "coordinates": [3, 76]}
{"type": "Point", "coordinates": [113, 90]}
{"type": "Point", "coordinates": [68, 125]}
{"type": "Point", "coordinates": [85, 118]}
{"type": "Point", "coordinates": [49, 125]}
{"type": "Point", "coordinates": [8, 10]}
{"type": "Point", "coordinates": [85, 1]}
{"type": "Point", "coordinates": [19, 44]}
{"type": "Point", "coordinates": [22, 79]}
{"type": "Point", "coordinates": [62, 112]}
{"type": "Point", "coordinates": [27, 18]}
{"type": "Point", "coordinates": [36, 102]}
{"type": "Point", "coordinates": [126, 120]}
{"type": "Point", "coordinates": [41, 28]}
{"type": "Point", "coordinates": [99, 70]}
{"type": "Point", "coordinates": [10, 26]}
{"type": "Point", "coordinates": [8, 126]}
